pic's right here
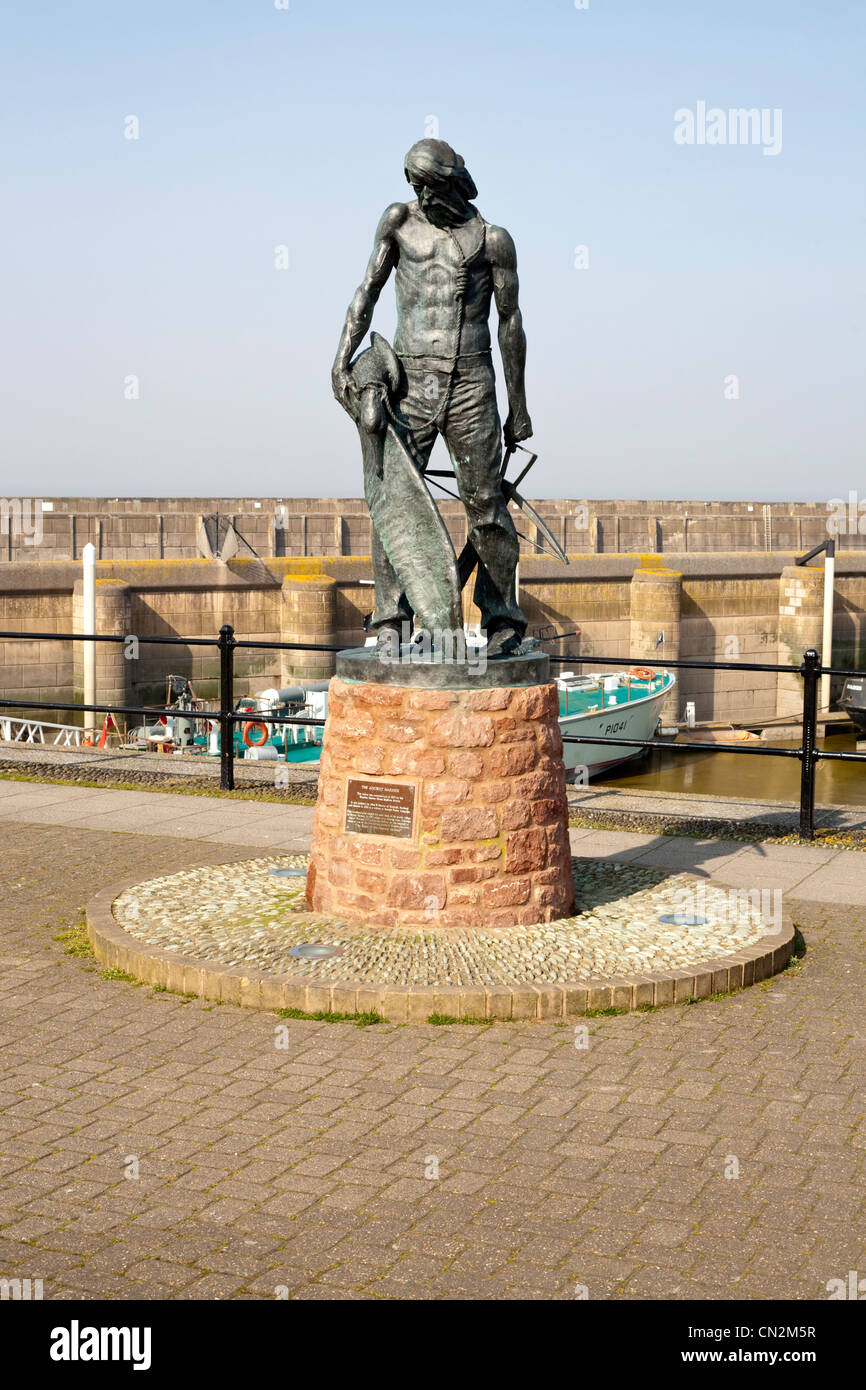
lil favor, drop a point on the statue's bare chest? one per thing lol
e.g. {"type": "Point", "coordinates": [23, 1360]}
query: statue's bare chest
{"type": "Point", "coordinates": [434, 261]}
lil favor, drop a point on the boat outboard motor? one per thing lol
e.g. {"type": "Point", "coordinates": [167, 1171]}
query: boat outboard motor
{"type": "Point", "coordinates": [853, 702]}
{"type": "Point", "coordinates": [289, 695]}
{"type": "Point", "coordinates": [292, 695]}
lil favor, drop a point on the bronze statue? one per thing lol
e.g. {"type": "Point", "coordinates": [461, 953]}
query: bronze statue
{"type": "Point", "coordinates": [438, 379]}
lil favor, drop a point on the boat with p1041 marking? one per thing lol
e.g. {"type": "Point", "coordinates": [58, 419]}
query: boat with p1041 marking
{"type": "Point", "coordinates": [609, 705]}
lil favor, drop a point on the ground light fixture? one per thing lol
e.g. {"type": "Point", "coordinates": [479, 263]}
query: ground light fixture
{"type": "Point", "coordinates": [314, 950]}
{"type": "Point", "coordinates": [683, 919]}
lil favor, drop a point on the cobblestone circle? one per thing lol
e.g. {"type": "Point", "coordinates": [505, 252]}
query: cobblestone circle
{"type": "Point", "coordinates": [244, 915]}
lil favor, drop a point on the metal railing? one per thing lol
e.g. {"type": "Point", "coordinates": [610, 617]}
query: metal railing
{"type": "Point", "coordinates": [808, 753]}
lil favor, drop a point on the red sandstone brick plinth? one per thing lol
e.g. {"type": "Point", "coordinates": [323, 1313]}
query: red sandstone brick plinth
{"type": "Point", "coordinates": [468, 787]}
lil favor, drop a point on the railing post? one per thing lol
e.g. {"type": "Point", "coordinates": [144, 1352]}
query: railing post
{"type": "Point", "coordinates": [226, 644]}
{"type": "Point", "coordinates": [810, 671]}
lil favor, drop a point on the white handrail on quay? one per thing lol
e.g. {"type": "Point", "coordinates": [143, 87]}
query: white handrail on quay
{"type": "Point", "coordinates": [33, 731]}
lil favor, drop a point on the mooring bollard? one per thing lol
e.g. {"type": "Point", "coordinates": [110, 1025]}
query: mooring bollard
{"type": "Point", "coordinates": [226, 643]}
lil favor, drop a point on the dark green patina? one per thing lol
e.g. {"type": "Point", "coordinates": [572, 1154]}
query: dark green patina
{"type": "Point", "coordinates": [438, 379]}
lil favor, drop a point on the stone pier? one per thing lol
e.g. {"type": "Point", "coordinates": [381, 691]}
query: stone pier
{"type": "Point", "coordinates": [114, 668]}
{"type": "Point", "coordinates": [655, 607]}
{"type": "Point", "coordinates": [801, 618]}
{"type": "Point", "coordinates": [308, 613]}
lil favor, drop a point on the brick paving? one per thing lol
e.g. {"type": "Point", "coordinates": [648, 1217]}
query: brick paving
{"type": "Point", "coordinates": [302, 1172]}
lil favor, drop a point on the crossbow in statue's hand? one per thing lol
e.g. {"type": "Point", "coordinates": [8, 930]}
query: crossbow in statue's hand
{"type": "Point", "coordinates": [517, 427]}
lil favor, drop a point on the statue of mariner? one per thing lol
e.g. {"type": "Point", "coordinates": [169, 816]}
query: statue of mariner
{"type": "Point", "coordinates": [438, 379]}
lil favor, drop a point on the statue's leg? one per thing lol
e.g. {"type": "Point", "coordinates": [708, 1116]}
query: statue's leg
{"type": "Point", "coordinates": [472, 432]}
{"type": "Point", "coordinates": [413, 536]}
{"type": "Point", "coordinates": [392, 606]}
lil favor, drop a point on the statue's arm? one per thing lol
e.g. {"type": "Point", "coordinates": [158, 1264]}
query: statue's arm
{"type": "Point", "coordinates": [359, 314]}
{"type": "Point", "coordinates": [512, 339]}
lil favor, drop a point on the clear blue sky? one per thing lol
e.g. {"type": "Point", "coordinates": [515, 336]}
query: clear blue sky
{"type": "Point", "coordinates": [261, 127]}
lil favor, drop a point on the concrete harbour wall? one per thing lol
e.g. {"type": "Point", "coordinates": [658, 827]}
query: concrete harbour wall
{"type": "Point", "coordinates": [730, 608]}
{"type": "Point", "coordinates": [167, 528]}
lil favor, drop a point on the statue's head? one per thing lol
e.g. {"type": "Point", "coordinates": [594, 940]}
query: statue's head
{"type": "Point", "coordinates": [442, 183]}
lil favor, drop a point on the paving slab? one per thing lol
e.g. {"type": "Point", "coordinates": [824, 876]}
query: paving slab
{"type": "Point", "coordinates": [145, 819]}
{"type": "Point", "coordinates": [192, 825]}
{"type": "Point", "coordinates": [95, 815]}
{"type": "Point", "coordinates": [612, 798]}
{"type": "Point", "coordinates": [269, 836]}
{"type": "Point", "coordinates": [834, 883]}
{"type": "Point", "coordinates": [623, 844]}
{"type": "Point", "coordinates": [10, 790]}
{"type": "Point", "coordinates": [786, 876]}
{"type": "Point", "coordinates": [769, 853]}
{"type": "Point", "coordinates": [37, 798]}
{"type": "Point", "coordinates": [122, 819]}
{"type": "Point", "coordinates": [686, 852]}
{"type": "Point", "coordinates": [846, 866]}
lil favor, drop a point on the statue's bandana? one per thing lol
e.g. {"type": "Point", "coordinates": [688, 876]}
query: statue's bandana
{"type": "Point", "coordinates": [444, 184]}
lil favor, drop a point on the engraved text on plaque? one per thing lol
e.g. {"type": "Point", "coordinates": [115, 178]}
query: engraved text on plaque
{"type": "Point", "coordinates": [380, 808]}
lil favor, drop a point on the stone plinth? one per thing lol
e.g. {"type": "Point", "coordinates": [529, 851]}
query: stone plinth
{"type": "Point", "coordinates": [441, 807]}
{"type": "Point", "coordinates": [430, 671]}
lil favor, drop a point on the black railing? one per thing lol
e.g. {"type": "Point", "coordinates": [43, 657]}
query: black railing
{"type": "Point", "coordinates": [227, 644]}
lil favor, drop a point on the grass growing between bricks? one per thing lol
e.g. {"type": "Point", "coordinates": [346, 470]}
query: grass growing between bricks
{"type": "Point", "coordinates": [76, 943]}
{"type": "Point", "coordinates": [360, 1020]}
{"type": "Point", "coordinates": [440, 1020]}
{"type": "Point", "coordinates": [74, 939]}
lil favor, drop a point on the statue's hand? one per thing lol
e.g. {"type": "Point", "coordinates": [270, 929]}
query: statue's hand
{"type": "Point", "coordinates": [344, 391]}
{"type": "Point", "coordinates": [518, 427]}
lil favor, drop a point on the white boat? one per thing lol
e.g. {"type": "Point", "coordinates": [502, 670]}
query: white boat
{"type": "Point", "coordinates": [609, 705]}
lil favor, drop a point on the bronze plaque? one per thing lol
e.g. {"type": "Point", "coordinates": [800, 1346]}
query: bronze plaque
{"type": "Point", "coordinates": [380, 808]}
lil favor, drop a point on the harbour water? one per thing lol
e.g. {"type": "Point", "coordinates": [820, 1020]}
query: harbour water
{"type": "Point", "coordinates": [744, 775]}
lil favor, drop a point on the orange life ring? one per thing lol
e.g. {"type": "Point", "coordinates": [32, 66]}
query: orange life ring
{"type": "Point", "coordinates": [250, 725]}
{"type": "Point", "coordinates": [642, 673]}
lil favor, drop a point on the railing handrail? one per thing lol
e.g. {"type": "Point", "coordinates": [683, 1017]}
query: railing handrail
{"type": "Point", "coordinates": [668, 663]}
{"type": "Point", "coordinates": [107, 637]}
{"type": "Point", "coordinates": [675, 665]}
